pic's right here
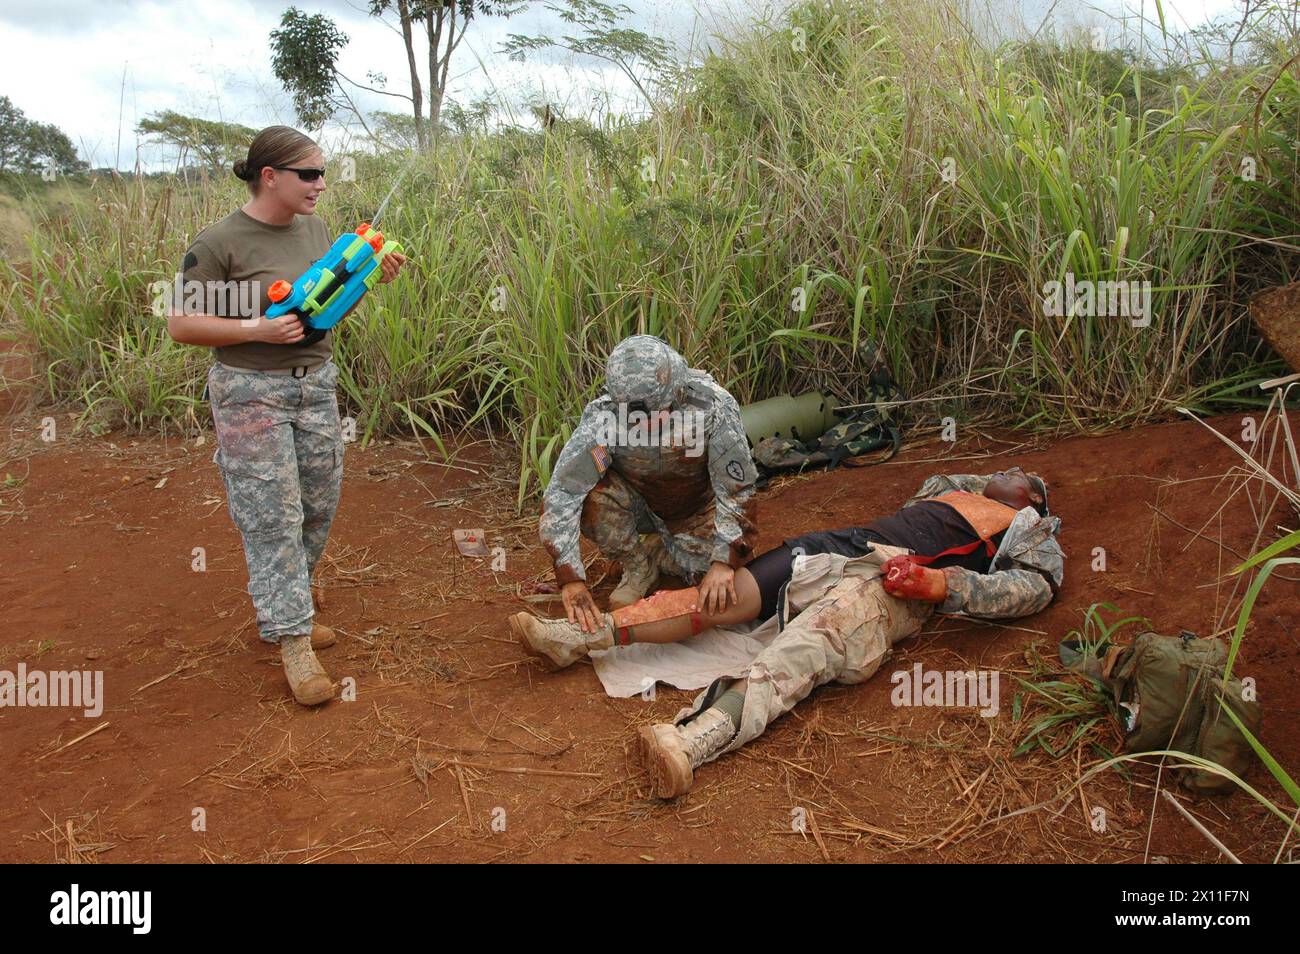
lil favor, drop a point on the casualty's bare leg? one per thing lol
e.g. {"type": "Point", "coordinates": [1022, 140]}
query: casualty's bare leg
{"type": "Point", "coordinates": [666, 617]}
{"type": "Point", "coordinates": [746, 608]}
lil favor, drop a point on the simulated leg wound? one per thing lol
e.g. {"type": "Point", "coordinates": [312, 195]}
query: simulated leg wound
{"type": "Point", "coordinates": [665, 606]}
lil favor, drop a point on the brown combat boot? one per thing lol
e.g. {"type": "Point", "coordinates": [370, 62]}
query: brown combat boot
{"type": "Point", "coordinates": [641, 570]}
{"type": "Point", "coordinates": [307, 677]}
{"type": "Point", "coordinates": [322, 637]}
{"type": "Point", "coordinates": [557, 642]}
{"type": "Point", "coordinates": [672, 753]}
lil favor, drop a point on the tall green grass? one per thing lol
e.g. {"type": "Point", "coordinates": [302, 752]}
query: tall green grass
{"type": "Point", "coordinates": [771, 169]}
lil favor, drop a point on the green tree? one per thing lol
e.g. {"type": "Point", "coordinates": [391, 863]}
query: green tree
{"type": "Point", "coordinates": [645, 60]}
{"type": "Point", "coordinates": [305, 51]}
{"type": "Point", "coordinates": [29, 146]}
{"type": "Point", "coordinates": [397, 130]}
{"type": "Point", "coordinates": [214, 144]}
{"type": "Point", "coordinates": [465, 119]}
{"type": "Point", "coordinates": [394, 130]}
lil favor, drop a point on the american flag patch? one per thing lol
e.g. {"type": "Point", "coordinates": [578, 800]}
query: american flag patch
{"type": "Point", "coordinates": [601, 457]}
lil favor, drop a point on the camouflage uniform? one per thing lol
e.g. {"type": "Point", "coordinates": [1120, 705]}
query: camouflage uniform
{"type": "Point", "coordinates": [847, 624]}
{"type": "Point", "coordinates": [280, 450]}
{"type": "Point", "coordinates": [611, 491]}
{"type": "Point", "coordinates": [1025, 572]}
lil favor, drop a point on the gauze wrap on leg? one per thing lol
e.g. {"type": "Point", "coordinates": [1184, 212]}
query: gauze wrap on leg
{"type": "Point", "coordinates": [666, 604]}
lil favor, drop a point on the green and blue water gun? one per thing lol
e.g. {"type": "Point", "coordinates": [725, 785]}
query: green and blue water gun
{"type": "Point", "coordinates": [335, 282]}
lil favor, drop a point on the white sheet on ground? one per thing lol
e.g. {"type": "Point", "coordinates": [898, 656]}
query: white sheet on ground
{"type": "Point", "coordinates": [691, 664]}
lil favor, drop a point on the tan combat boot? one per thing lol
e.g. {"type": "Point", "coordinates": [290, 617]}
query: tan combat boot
{"type": "Point", "coordinates": [672, 753]}
{"type": "Point", "coordinates": [641, 570]}
{"type": "Point", "coordinates": [558, 642]}
{"type": "Point", "coordinates": [307, 678]}
{"type": "Point", "coordinates": [322, 637]}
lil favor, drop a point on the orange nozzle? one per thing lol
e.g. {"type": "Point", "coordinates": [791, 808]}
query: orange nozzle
{"type": "Point", "coordinates": [363, 228]}
{"type": "Point", "coordinates": [279, 291]}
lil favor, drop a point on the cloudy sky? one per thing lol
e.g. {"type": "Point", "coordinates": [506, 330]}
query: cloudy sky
{"type": "Point", "coordinates": [96, 67]}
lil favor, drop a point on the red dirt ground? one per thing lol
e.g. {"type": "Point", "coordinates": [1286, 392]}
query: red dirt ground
{"type": "Point", "coordinates": [96, 554]}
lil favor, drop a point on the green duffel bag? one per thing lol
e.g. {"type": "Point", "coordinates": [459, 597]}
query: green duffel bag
{"type": "Point", "coordinates": [1167, 691]}
{"type": "Point", "coordinates": [860, 433]}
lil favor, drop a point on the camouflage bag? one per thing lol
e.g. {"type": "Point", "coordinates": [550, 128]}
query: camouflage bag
{"type": "Point", "coordinates": [1167, 690]}
{"type": "Point", "coordinates": [861, 433]}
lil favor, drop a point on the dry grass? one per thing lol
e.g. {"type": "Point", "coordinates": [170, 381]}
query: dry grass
{"type": "Point", "coordinates": [77, 839]}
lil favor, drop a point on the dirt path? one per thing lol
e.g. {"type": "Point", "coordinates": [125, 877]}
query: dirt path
{"type": "Point", "coordinates": [97, 541]}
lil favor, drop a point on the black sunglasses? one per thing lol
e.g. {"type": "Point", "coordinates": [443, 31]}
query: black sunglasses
{"type": "Point", "coordinates": [306, 175]}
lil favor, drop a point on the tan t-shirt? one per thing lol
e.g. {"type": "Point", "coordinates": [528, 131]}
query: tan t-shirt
{"type": "Point", "coordinates": [234, 263]}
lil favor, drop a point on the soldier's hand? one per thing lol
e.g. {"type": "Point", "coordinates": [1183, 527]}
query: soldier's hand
{"type": "Point", "coordinates": [287, 329]}
{"type": "Point", "coordinates": [389, 266]}
{"type": "Point", "coordinates": [718, 589]}
{"type": "Point", "coordinates": [580, 607]}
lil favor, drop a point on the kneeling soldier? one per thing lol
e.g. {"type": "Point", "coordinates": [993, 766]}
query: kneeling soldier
{"type": "Point", "coordinates": [655, 454]}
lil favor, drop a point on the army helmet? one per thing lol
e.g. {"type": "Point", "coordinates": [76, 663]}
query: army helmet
{"type": "Point", "coordinates": [645, 373]}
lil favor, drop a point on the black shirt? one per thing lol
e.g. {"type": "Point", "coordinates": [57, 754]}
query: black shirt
{"type": "Point", "coordinates": [927, 527]}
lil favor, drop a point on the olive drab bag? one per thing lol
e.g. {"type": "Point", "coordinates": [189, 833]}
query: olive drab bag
{"type": "Point", "coordinates": [1167, 691]}
{"type": "Point", "coordinates": [858, 434]}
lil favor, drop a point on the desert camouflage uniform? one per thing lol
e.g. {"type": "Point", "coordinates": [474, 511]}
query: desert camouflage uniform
{"type": "Point", "coordinates": [847, 624]}
{"type": "Point", "coordinates": [612, 492]}
{"type": "Point", "coordinates": [280, 450]}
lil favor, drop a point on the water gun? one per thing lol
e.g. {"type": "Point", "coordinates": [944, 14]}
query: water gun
{"type": "Point", "coordinates": [335, 282]}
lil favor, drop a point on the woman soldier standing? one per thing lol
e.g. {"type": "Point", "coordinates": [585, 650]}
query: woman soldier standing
{"type": "Point", "coordinates": [279, 442]}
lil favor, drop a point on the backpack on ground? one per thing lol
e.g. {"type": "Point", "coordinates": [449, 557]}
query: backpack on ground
{"type": "Point", "coordinates": [1167, 691]}
{"type": "Point", "coordinates": [858, 434]}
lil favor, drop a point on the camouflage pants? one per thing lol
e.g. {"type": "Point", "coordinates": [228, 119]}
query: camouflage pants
{"type": "Point", "coordinates": [614, 516]}
{"type": "Point", "coordinates": [280, 450]}
{"type": "Point", "coordinates": [842, 635]}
